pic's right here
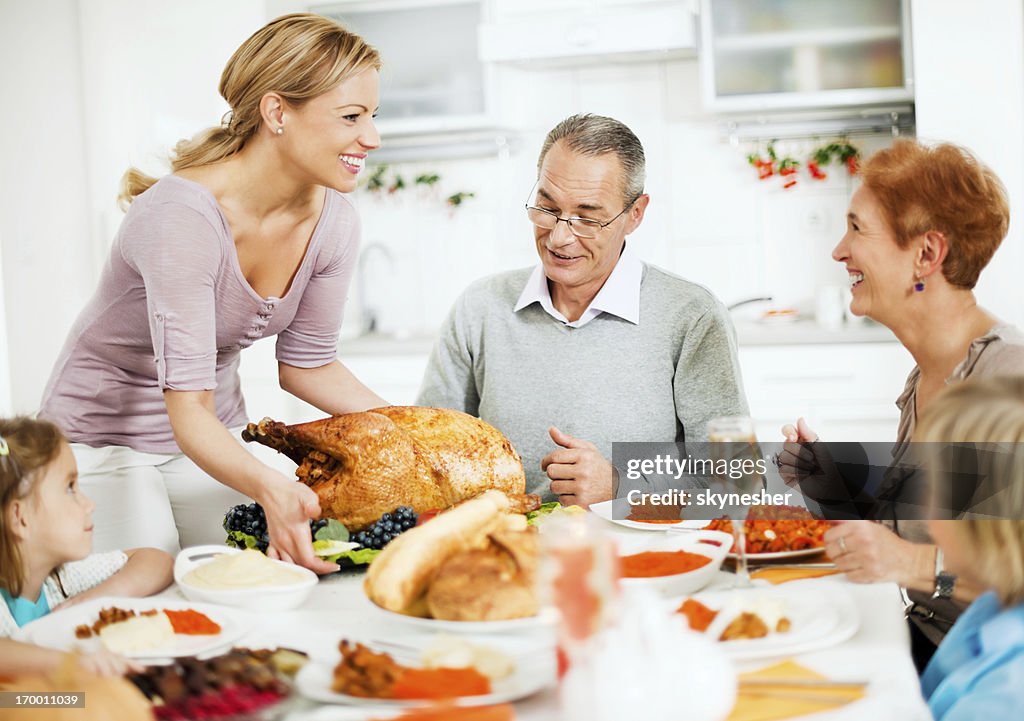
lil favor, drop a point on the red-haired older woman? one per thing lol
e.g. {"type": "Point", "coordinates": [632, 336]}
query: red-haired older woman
{"type": "Point", "coordinates": [921, 227]}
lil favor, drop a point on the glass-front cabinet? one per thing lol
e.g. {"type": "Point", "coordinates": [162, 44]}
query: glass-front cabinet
{"type": "Point", "coordinates": [795, 54]}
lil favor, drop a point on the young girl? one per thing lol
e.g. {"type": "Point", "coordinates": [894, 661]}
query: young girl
{"type": "Point", "coordinates": [45, 541]}
{"type": "Point", "coordinates": [978, 669]}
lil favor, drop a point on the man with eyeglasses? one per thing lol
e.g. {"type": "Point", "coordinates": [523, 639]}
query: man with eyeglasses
{"type": "Point", "coordinates": [592, 346]}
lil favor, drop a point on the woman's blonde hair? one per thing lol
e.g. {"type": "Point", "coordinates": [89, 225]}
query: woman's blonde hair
{"type": "Point", "coordinates": [26, 446]}
{"type": "Point", "coordinates": [297, 56]}
{"type": "Point", "coordinates": [990, 412]}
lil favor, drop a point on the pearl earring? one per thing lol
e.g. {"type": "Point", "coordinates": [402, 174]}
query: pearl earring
{"type": "Point", "coordinates": [280, 131]}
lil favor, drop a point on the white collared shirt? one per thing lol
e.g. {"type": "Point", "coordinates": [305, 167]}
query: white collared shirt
{"type": "Point", "coordinates": [620, 294]}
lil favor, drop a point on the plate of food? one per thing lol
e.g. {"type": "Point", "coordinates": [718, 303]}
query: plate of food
{"type": "Point", "coordinates": [774, 532]}
{"type": "Point", "coordinates": [143, 628]}
{"type": "Point", "coordinates": [767, 622]}
{"type": "Point", "coordinates": [362, 676]}
{"type": "Point", "coordinates": [242, 683]}
{"type": "Point", "coordinates": [469, 569]}
{"type": "Point", "coordinates": [620, 512]}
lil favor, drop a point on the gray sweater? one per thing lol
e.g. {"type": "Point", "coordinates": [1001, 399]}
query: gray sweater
{"type": "Point", "coordinates": [609, 381]}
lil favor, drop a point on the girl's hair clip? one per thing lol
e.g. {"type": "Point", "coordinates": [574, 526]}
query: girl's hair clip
{"type": "Point", "coordinates": [5, 450]}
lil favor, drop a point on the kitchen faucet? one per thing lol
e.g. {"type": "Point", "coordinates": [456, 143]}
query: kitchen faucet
{"type": "Point", "coordinates": [369, 313]}
{"type": "Point", "coordinates": [734, 306]}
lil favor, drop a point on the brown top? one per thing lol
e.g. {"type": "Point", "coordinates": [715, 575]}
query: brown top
{"type": "Point", "coordinates": [1000, 352]}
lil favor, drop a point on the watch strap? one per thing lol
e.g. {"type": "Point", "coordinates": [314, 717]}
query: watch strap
{"type": "Point", "coordinates": [944, 582]}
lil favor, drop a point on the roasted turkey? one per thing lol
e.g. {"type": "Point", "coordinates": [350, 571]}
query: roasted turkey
{"type": "Point", "coordinates": [363, 465]}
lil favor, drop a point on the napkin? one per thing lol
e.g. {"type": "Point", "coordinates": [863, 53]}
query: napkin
{"type": "Point", "coordinates": [754, 704]}
{"type": "Point", "coordinates": [781, 575]}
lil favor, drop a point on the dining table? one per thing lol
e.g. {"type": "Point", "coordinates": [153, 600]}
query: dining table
{"type": "Point", "coordinates": [877, 652]}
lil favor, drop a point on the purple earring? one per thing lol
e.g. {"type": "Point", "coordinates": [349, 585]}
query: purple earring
{"type": "Point", "coordinates": [919, 285]}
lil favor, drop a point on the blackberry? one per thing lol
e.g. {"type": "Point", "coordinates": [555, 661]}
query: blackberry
{"type": "Point", "coordinates": [251, 520]}
{"type": "Point", "coordinates": [386, 528]}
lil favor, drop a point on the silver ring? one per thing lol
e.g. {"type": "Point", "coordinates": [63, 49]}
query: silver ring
{"type": "Point", "coordinates": [842, 544]}
{"type": "Point", "coordinates": [776, 460]}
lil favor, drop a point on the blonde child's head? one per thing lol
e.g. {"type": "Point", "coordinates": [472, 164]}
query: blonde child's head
{"type": "Point", "coordinates": [42, 512]}
{"type": "Point", "coordinates": [988, 411]}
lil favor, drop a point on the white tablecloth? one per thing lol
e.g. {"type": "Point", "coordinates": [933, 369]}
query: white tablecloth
{"type": "Point", "coordinates": [879, 651]}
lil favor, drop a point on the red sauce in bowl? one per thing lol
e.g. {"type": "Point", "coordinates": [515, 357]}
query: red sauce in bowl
{"type": "Point", "coordinates": [651, 564]}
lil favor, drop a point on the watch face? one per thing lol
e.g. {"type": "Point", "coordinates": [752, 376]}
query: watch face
{"type": "Point", "coordinates": [944, 583]}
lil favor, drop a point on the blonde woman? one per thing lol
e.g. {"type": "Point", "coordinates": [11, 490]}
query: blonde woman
{"type": "Point", "coordinates": [977, 670]}
{"type": "Point", "coordinates": [250, 236]}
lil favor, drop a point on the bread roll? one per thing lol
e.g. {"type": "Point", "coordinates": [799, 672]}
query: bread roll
{"type": "Point", "coordinates": [403, 570]}
{"type": "Point", "coordinates": [495, 583]}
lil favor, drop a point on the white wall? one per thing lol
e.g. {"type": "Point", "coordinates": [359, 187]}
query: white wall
{"type": "Point", "coordinates": [150, 71]}
{"type": "Point", "coordinates": [91, 86]}
{"type": "Point", "coordinates": [969, 66]}
{"type": "Point", "coordinates": [6, 406]}
{"type": "Point", "coordinates": [44, 214]}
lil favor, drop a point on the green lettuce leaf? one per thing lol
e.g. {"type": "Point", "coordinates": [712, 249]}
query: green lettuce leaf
{"type": "Point", "coordinates": [356, 557]}
{"type": "Point", "coordinates": [545, 509]}
{"type": "Point", "coordinates": [334, 531]}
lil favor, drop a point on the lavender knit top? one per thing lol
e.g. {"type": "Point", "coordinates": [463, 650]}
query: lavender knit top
{"type": "Point", "coordinates": [173, 310]}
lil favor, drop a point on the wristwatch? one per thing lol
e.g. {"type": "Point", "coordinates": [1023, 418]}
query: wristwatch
{"type": "Point", "coordinates": [944, 582]}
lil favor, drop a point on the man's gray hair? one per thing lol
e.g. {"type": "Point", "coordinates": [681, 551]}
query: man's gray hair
{"type": "Point", "coordinates": [592, 135]}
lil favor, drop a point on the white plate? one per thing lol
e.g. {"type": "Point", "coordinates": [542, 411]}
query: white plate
{"type": "Point", "coordinates": [57, 630]}
{"type": "Point", "coordinates": [620, 507]}
{"type": "Point", "coordinates": [314, 682]}
{"type": "Point", "coordinates": [755, 557]}
{"type": "Point", "coordinates": [546, 619]}
{"type": "Point", "coordinates": [821, 614]}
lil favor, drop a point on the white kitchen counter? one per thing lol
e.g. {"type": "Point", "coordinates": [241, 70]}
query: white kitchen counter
{"type": "Point", "coordinates": [800, 332]}
{"type": "Point", "coordinates": [807, 332]}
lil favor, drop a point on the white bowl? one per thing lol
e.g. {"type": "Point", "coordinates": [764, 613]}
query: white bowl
{"type": "Point", "coordinates": [713, 544]}
{"type": "Point", "coordinates": [253, 598]}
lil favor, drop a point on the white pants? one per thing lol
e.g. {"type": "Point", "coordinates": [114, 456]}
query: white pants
{"type": "Point", "coordinates": [151, 499]}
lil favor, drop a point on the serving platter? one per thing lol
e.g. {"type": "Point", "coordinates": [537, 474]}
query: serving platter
{"type": "Point", "coordinates": [545, 620]}
{"type": "Point", "coordinates": [57, 629]}
{"type": "Point", "coordinates": [315, 679]}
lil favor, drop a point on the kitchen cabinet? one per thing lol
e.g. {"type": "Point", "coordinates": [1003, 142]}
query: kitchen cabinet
{"type": "Point", "coordinates": [795, 54]}
{"type": "Point", "coordinates": [432, 80]}
{"type": "Point", "coordinates": [572, 32]}
{"type": "Point", "coordinates": [846, 391]}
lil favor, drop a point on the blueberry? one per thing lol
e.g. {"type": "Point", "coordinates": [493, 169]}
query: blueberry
{"type": "Point", "coordinates": [386, 517]}
{"type": "Point", "coordinates": [386, 538]}
{"type": "Point", "coordinates": [377, 530]}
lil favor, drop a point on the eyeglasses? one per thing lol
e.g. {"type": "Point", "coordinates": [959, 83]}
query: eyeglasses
{"type": "Point", "coordinates": [580, 227]}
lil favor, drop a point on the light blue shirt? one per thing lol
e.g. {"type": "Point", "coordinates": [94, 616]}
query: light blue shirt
{"type": "Point", "coordinates": [978, 670]}
{"type": "Point", "coordinates": [23, 610]}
